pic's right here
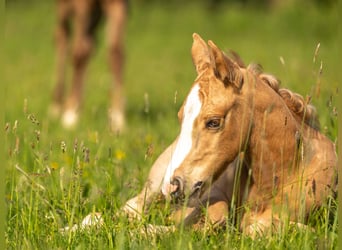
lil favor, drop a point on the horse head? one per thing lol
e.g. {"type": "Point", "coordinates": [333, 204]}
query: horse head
{"type": "Point", "coordinates": [215, 119]}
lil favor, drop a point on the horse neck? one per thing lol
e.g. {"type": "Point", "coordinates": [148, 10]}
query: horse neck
{"type": "Point", "coordinates": [281, 143]}
{"type": "Point", "coordinates": [275, 133]}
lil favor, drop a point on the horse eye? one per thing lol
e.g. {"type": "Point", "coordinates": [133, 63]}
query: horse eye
{"type": "Point", "coordinates": [213, 123]}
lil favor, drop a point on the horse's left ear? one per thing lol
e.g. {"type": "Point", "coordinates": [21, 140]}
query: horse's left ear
{"type": "Point", "coordinates": [227, 70]}
{"type": "Point", "coordinates": [200, 54]}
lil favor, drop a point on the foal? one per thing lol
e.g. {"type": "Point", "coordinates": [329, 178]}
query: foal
{"type": "Point", "coordinates": [85, 16]}
{"type": "Point", "coordinates": [242, 140]}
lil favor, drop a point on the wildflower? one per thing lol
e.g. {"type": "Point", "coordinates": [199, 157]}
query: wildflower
{"type": "Point", "coordinates": [120, 155]}
{"type": "Point", "coordinates": [149, 151]}
{"type": "Point", "coordinates": [54, 165]}
{"type": "Point", "coordinates": [63, 146]}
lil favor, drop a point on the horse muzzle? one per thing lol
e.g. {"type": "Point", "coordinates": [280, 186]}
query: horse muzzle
{"type": "Point", "coordinates": [179, 193]}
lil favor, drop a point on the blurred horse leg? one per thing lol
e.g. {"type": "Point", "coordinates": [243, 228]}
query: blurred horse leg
{"type": "Point", "coordinates": [62, 36]}
{"type": "Point", "coordinates": [86, 17]}
{"type": "Point", "coordinates": [116, 14]}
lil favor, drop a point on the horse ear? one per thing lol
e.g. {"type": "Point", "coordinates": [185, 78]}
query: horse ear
{"type": "Point", "coordinates": [227, 70]}
{"type": "Point", "coordinates": [200, 54]}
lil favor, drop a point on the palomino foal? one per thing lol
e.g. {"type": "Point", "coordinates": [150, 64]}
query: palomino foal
{"type": "Point", "coordinates": [85, 16]}
{"type": "Point", "coordinates": [245, 143]}
{"type": "Point", "coordinates": [241, 136]}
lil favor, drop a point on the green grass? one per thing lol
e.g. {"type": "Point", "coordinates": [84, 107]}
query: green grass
{"type": "Point", "coordinates": [55, 177]}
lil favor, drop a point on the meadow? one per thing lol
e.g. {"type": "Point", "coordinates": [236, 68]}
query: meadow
{"type": "Point", "coordinates": [54, 177]}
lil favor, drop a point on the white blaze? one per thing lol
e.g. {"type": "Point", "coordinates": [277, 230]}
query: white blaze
{"type": "Point", "coordinates": [192, 109]}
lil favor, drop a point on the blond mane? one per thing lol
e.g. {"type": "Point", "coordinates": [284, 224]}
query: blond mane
{"type": "Point", "coordinates": [294, 101]}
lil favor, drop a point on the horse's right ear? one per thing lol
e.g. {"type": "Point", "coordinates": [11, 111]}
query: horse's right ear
{"type": "Point", "coordinates": [200, 54]}
{"type": "Point", "coordinates": [227, 70]}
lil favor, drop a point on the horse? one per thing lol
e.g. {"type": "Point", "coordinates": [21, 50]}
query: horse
{"type": "Point", "coordinates": [243, 142]}
{"type": "Point", "coordinates": [247, 150]}
{"type": "Point", "coordinates": [85, 16]}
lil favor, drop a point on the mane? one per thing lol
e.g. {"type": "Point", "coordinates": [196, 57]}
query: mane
{"type": "Point", "coordinates": [294, 101]}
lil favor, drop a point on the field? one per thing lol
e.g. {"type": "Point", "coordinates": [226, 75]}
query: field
{"type": "Point", "coordinates": [55, 177]}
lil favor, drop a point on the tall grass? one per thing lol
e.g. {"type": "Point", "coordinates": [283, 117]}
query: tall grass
{"type": "Point", "coordinates": [55, 177]}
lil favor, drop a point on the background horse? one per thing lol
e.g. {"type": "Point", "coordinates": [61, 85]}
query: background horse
{"type": "Point", "coordinates": [237, 120]}
{"type": "Point", "coordinates": [86, 16]}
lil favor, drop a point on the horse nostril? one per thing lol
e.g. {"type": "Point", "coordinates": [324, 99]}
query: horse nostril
{"type": "Point", "coordinates": [177, 181]}
{"type": "Point", "coordinates": [198, 185]}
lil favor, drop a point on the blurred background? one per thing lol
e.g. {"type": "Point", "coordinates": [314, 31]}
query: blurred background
{"type": "Point", "coordinates": [294, 40]}
{"type": "Point", "coordinates": [280, 35]}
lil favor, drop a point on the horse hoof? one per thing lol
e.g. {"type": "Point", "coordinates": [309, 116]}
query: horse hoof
{"type": "Point", "coordinates": [69, 119]}
{"type": "Point", "coordinates": [132, 209]}
{"type": "Point", "coordinates": [116, 120]}
{"type": "Point", "coordinates": [92, 220]}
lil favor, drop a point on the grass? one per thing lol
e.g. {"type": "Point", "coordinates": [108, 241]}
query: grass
{"type": "Point", "coordinates": [55, 177]}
